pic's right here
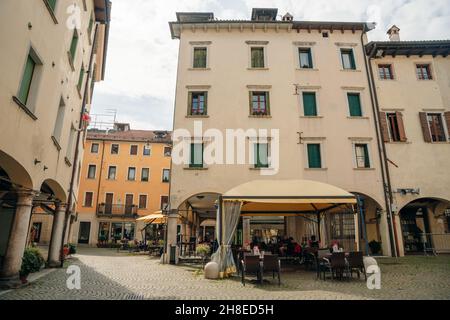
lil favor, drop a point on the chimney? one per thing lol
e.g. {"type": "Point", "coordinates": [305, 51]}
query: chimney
{"type": "Point", "coordinates": [121, 127]}
{"type": "Point", "coordinates": [394, 33]}
{"type": "Point", "coordinates": [288, 17]}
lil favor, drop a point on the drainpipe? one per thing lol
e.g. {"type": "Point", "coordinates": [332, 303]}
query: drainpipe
{"type": "Point", "coordinates": [77, 146]}
{"type": "Point", "coordinates": [381, 151]}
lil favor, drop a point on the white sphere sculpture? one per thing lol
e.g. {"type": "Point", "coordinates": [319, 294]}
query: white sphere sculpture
{"type": "Point", "coordinates": [211, 270]}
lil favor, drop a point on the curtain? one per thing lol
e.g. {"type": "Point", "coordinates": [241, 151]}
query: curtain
{"type": "Point", "coordinates": [231, 212]}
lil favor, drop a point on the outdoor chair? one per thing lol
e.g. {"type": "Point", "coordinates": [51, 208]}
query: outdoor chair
{"type": "Point", "coordinates": [271, 263]}
{"type": "Point", "coordinates": [336, 265]}
{"type": "Point", "coordinates": [251, 265]}
{"type": "Point", "coordinates": [309, 257]}
{"type": "Point", "coordinates": [355, 262]}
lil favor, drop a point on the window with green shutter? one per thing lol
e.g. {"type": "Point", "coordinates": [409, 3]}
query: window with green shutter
{"type": "Point", "coordinates": [91, 25]}
{"type": "Point", "coordinates": [257, 56]}
{"type": "Point", "coordinates": [309, 103]}
{"type": "Point", "coordinates": [73, 44]}
{"type": "Point", "coordinates": [261, 155]}
{"type": "Point", "coordinates": [348, 59]}
{"type": "Point", "coordinates": [52, 4]}
{"type": "Point", "coordinates": [200, 57]}
{"type": "Point", "coordinates": [354, 103]}
{"type": "Point", "coordinates": [314, 157]}
{"type": "Point", "coordinates": [196, 159]}
{"type": "Point", "coordinates": [362, 155]}
{"type": "Point", "coordinates": [80, 79]}
{"type": "Point", "coordinates": [27, 78]}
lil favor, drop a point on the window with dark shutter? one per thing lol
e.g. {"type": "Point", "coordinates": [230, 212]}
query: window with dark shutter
{"type": "Point", "coordinates": [145, 174]}
{"type": "Point", "coordinates": [314, 156]}
{"type": "Point", "coordinates": [27, 78]}
{"type": "Point", "coordinates": [200, 56]}
{"type": "Point", "coordinates": [305, 58]}
{"type": "Point", "coordinates": [385, 72]}
{"type": "Point", "coordinates": [198, 103]}
{"type": "Point", "coordinates": [91, 171]}
{"type": "Point", "coordinates": [384, 126]}
{"type": "Point", "coordinates": [142, 201]}
{"type": "Point", "coordinates": [423, 72]}
{"type": "Point", "coordinates": [133, 150]}
{"type": "Point", "coordinates": [348, 60]}
{"type": "Point", "coordinates": [196, 159]}
{"type": "Point", "coordinates": [257, 57]}
{"type": "Point", "coordinates": [354, 103]}
{"type": "Point", "coordinates": [261, 155]}
{"type": "Point", "coordinates": [88, 196]}
{"type": "Point", "coordinates": [362, 155]}
{"type": "Point", "coordinates": [309, 104]}
{"type": "Point", "coordinates": [436, 126]}
{"type": "Point", "coordinates": [424, 125]}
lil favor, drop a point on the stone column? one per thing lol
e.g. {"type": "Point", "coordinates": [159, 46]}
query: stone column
{"type": "Point", "coordinates": [9, 274]}
{"type": "Point", "coordinates": [54, 251]}
{"type": "Point", "coordinates": [246, 231]}
{"type": "Point", "coordinates": [172, 221]}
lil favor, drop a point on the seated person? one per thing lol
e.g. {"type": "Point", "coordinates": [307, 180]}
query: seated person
{"type": "Point", "coordinates": [290, 246]}
{"type": "Point", "coordinates": [313, 243]}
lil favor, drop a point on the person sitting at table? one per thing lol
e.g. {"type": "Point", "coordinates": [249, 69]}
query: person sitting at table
{"type": "Point", "coordinates": [290, 246]}
{"type": "Point", "coordinates": [313, 243]}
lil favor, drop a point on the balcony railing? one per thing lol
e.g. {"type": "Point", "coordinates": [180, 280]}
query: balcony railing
{"type": "Point", "coordinates": [117, 210]}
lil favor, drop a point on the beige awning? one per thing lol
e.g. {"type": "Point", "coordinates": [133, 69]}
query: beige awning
{"type": "Point", "coordinates": [208, 223]}
{"type": "Point", "coordinates": [288, 197]}
{"type": "Point", "coordinates": [156, 218]}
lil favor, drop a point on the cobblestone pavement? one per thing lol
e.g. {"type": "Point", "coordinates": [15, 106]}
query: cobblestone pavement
{"type": "Point", "coordinates": [106, 274]}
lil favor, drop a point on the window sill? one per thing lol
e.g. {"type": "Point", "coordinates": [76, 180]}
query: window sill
{"type": "Point", "coordinates": [50, 10]}
{"type": "Point", "coordinates": [357, 117]}
{"type": "Point", "coordinates": [316, 169]}
{"type": "Point", "coordinates": [256, 69]}
{"type": "Point", "coordinates": [69, 56]}
{"type": "Point", "coordinates": [439, 142]}
{"type": "Point", "coordinates": [165, 181]}
{"type": "Point", "coordinates": [350, 70]}
{"type": "Point", "coordinates": [67, 161]}
{"type": "Point", "coordinates": [259, 116]}
{"type": "Point", "coordinates": [24, 108]}
{"type": "Point", "coordinates": [261, 168]}
{"type": "Point", "coordinates": [199, 69]}
{"type": "Point", "coordinates": [307, 69]}
{"type": "Point", "coordinates": [311, 117]}
{"type": "Point", "coordinates": [197, 116]}
{"type": "Point", "coordinates": [56, 143]}
{"type": "Point", "coordinates": [364, 169]}
{"type": "Point", "coordinates": [399, 142]}
{"type": "Point", "coordinates": [195, 168]}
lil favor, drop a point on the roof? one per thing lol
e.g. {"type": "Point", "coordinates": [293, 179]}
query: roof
{"type": "Point", "coordinates": [176, 26]}
{"type": "Point", "coordinates": [268, 13]}
{"type": "Point", "coordinates": [288, 196]}
{"type": "Point", "coordinates": [152, 136]}
{"type": "Point", "coordinates": [102, 9]}
{"type": "Point", "coordinates": [408, 48]}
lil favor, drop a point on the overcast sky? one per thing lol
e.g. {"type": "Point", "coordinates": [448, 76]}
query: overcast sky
{"type": "Point", "coordinates": [142, 57]}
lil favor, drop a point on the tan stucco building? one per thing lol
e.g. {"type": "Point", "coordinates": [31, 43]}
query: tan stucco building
{"type": "Point", "coordinates": [311, 81]}
{"type": "Point", "coordinates": [53, 51]}
{"type": "Point", "coordinates": [125, 175]}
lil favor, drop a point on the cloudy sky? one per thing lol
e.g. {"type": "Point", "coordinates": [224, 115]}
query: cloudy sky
{"type": "Point", "coordinates": [142, 57]}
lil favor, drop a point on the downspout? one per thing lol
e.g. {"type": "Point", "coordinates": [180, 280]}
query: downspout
{"type": "Point", "coordinates": [381, 150]}
{"type": "Point", "coordinates": [77, 147]}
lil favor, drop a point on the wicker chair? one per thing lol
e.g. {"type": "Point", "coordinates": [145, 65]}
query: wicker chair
{"type": "Point", "coordinates": [336, 265]}
{"type": "Point", "coordinates": [272, 264]}
{"type": "Point", "coordinates": [356, 263]}
{"type": "Point", "coordinates": [251, 265]}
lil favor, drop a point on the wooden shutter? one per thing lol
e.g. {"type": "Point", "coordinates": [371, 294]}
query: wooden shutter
{"type": "Point", "coordinates": [447, 121]}
{"type": "Point", "coordinates": [354, 104]}
{"type": "Point", "coordinates": [314, 158]}
{"type": "Point", "coordinates": [142, 201]}
{"type": "Point", "coordinates": [190, 103]}
{"type": "Point", "coordinates": [424, 125]}
{"type": "Point", "coordinates": [384, 126]}
{"type": "Point", "coordinates": [73, 45]}
{"type": "Point", "coordinates": [250, 102]}
{"type": "Point", "coordinates": [401, 127]}
{"type": "Point", "coordinates": [52, 4]}
{"type": "Point", "coordinates": [366, 156]}
{"type": "Point", "coordinates": [267, 103]}
{"type": "Point", "coordinates": [309, 104]}
{"type": "Point", "coordinates": [26, 80]}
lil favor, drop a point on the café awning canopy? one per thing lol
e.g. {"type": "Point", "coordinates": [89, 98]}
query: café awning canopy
{"type": "Point", "coordinates": [288, 197]}
{"type": "Point", "coordinates": [156, 218]}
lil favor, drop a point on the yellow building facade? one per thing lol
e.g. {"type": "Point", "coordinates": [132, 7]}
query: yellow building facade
{"type": "Point", "coordinates": [125, 175]}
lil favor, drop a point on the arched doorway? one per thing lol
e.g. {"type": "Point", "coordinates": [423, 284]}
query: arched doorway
{"type": "Point", "coordinates": [425, 226]}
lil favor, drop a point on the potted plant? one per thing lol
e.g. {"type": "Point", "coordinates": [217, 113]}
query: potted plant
{"type": "Point", "coordinates": [66, 250]}
{"type": "Point", "coordinates": [32, 261]}
{"type": "Point", "coordinates": [203, 250]}
{"type": "Point", "coordinates": [72, 248]}
{"type": "Point", "coordinates": [375, 247]}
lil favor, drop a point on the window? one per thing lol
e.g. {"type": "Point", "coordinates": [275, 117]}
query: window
{"type": "Point", "coordinates": [354, 104]}
{"type": "Point", "coordinates": [91, 171]}
{"type": "Point", "coordinates": [94, 148]}
{"type": "Point", "coordinates": [57, 129]}
{"type": "Point", "coordinates": [393, 126]}
{"type": "Point", "coordinates": [259, 103]}
{"type": "Point", "coordinates": [362, 155]}
{"type": "Point", "coordinates": [325, 34]}
{"type": "Point", "coordinates": [91, 25]}
{"type": "Point", "coordinates": [88, 197]}
{"type": "Point", "coordinates": [423, 72]}
{"type": "Point", "coordinates": [348, 60]}
{"type": "Point", "coordinates": [165, 175]}
{"type": "Point", "coordinates": [51, 4]}
{"type": "Point", "coordinates": [436, 127]}
{"type": "Point", "coordinates": [198, 103]}
{"type": "Point", "coordinates": [305, 58]}
{"type": "Point", "coordinates": [73, 45]}
{"type": "Point", "coordinates": [143, 201]}
{"type": "Point", "coordinates": [27, 79]}
{"type": "Point", "coordinates": [167, 151]}
{"type": "Point", "coordinates": [257, 57]}
{"type": "Point", "coordinates": [114, 149]}
{"type": "Point", "coordinates": [200, 57]}
{"type": "Point", "coordinates": [385, 72]}
{"type": "Point", "coordinates": [164, 202]}
{"type": "Point", "coordinates": [147, 150]}
{"type": "Point", "coordinates": [314, 156]}
{"type": "Point", "coordinates": [103, 231]}
{"type": "Point", "coordinates": [342, 226]}
{"type": "Point", "coordinates": [261, 155]}
{"type": "Point", "coordinates": [80, 79]}
{"type": "Point", "coordinates": [196, 159]}
{"type": "Point", "coordinates": [309, 104]}
{"type": "Point", "coordinates": [145, 174]}
{"type": "Point", "coordinates": [133, 150]}
{"type": "Point", "coordinates": [112, 173]}
{"type": "Point", "coordinates": [131, 173]}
